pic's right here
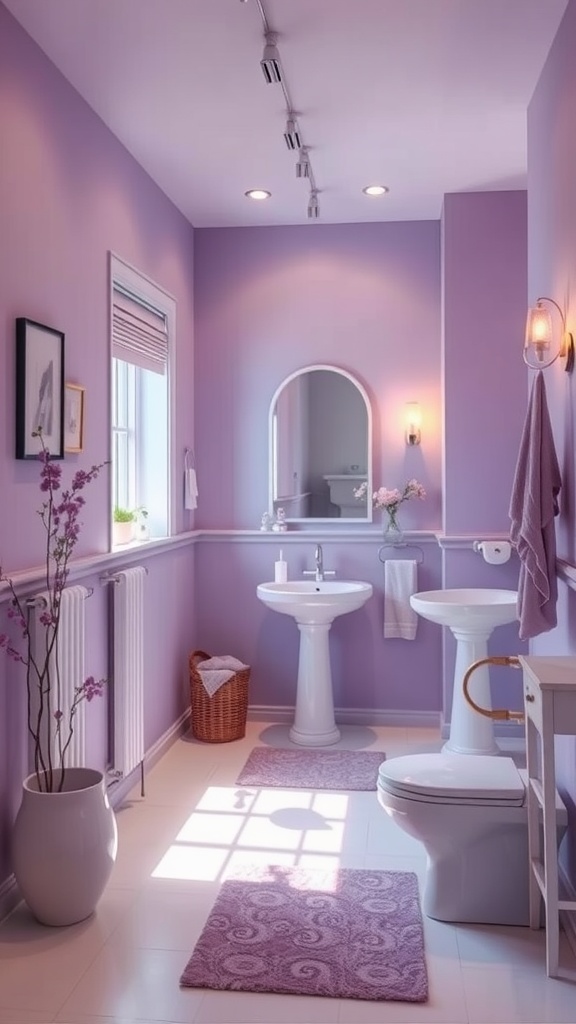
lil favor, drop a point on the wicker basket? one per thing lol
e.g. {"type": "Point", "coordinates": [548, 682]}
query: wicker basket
{"type": "Point", "coordinates": [220, 718]}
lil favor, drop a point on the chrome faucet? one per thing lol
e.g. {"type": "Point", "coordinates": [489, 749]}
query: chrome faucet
{"type": "Point", "coordinates": [319, 558]}
{"type": "Point", "coordinates": [319, 572]}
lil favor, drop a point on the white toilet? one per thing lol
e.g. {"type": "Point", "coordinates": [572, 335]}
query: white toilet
{"type": "Point", "coordinates": [469, 812]}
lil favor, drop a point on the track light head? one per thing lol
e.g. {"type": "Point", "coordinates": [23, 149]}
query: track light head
{"type": "Point", "coordinates": [291, 133]}
{"type": "Point", "coordinates": [313, 206]}
{"type": "Point", "coordinates": [270, 63]}
{"type": "Point", "coordinates": [303, 164]}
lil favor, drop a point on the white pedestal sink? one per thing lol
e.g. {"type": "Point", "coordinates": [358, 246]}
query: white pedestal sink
{"type": "Point", "coordinates": [471, 615]}
{"type": "Point", "coordinates": [314, 605]}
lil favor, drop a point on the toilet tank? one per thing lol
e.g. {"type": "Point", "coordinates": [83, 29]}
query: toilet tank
{"type": "Point", "coordinates": [342, 487]}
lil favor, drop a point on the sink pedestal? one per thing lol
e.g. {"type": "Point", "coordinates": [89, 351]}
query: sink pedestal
{"type": "Point", "coordinates": [471, 733]}
{"type": "Point", "coordinates": [471, 614]}
{"type": "Point", "coordinates": [314, 724]}
{"type": "Point", "coordinates": [314, 604]}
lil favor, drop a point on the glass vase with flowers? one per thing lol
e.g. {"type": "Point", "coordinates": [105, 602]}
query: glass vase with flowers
{"type": "Point", "coordinates": [389, 501]}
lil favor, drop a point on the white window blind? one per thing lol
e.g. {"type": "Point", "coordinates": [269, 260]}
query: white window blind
{"type": "Point", "coordinates": [139, 331]}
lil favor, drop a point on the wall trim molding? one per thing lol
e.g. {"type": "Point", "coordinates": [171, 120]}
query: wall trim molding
{"type": "Point", "coordinates": [448, 541]}
{"type": "Point", "coordinates": [369, 533]}
{"type": "Point", "coordinates": [27, 580]}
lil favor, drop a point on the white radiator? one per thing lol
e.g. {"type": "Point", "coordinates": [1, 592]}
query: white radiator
{"type": "Point", "coordinates": [67, 668]}
{"type": "Point", "coordinates": [128, 669]}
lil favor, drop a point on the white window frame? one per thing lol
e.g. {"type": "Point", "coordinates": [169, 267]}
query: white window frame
{"type": "Point", "coordinates": [122, 273]}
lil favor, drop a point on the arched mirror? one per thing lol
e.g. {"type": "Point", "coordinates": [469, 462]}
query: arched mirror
{"type": "Point", "coordinates": [320, 445]}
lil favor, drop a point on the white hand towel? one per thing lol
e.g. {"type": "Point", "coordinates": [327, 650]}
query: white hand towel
{"type": "Point", "coordinates": [214, 672]}
{"type": "Point", "coordinates": [190, 489]}
{"type": "Point", "coordinates": [400, 619]}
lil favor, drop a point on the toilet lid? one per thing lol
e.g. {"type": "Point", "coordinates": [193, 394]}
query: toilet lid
{"type": "Point", "coordinates": [450, 777]}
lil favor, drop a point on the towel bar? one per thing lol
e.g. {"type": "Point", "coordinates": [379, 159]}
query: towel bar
{"type": "Point", "coordinates": [402, 544]}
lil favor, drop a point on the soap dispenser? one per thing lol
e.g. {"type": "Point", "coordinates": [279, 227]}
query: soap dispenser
{"type": "Point", "coordinates": [281, 569]}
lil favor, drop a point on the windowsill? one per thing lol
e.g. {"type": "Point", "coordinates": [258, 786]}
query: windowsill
{"type": "Point", "coordinates": [137, 544]}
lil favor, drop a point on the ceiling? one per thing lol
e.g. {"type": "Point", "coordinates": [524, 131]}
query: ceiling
{"type": "Point", "coordinates": [424, 96]}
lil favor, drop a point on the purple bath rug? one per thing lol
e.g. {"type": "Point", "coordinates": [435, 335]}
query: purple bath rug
{"type": "Point", "coordinates": [341, 933]}
{"type": "Point", "coordinates": [312, 769]}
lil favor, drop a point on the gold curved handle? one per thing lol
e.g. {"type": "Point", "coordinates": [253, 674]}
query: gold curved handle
{"type": "Point", "coordinates": [499, 714]}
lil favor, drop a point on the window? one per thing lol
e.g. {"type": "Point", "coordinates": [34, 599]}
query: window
{"type": "Point", "coordinates": [143, 333]}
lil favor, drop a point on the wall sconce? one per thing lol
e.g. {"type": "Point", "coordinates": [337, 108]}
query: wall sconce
{"type": "Point", "coordinates": [539, 337]}
{"type": "Point", "coordinates": [413, 421]}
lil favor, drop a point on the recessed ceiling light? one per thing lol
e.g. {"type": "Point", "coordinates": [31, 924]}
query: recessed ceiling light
{"type": "Point", "coordinates": [257, 193]}
{"type": "Point", "coordinates": [375, 190]}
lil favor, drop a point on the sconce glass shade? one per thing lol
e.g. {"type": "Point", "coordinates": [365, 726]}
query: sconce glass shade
{"type": "Point", "coordinates": [539, 338]}
{"type": "Point", "coordinates": [538, 332]}
{"type": "Point", "coordinates": [413, 422]}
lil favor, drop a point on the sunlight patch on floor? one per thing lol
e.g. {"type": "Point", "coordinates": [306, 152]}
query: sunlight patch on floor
{"type": "Point", "coordinates": [233, 827]}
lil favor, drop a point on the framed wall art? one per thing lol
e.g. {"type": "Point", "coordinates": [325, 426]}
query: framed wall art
{"type": "Point", "coordinates": [39, 389]}
{"type": "Point", "coordinates": [73, 417]}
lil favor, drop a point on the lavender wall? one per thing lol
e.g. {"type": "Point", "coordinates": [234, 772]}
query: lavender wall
{"type": "Point", "coordinates": [552, 271]}
{"type": "Point", "coordinates": [484, 265]}
{"type": "Point", "coordinates": [484, 288]}
{"type": "Point", "coordinates": [69, 193]}
{"type": "Point", "coordinates": [364, 297]}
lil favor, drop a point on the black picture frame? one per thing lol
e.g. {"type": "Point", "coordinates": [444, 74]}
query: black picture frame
{"type": "Point", "coordinates": [39, 389]}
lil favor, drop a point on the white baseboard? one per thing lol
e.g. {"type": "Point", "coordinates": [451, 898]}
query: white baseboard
{"type": "Point", "coordinates": [9, 897]}
{"type": "Point", "coordinates": [506, 730]}
{"type": "Point", "coordinates": [352, 716]}
{"type": "Point", "coordinates": [117, 791]}
{"type": "Point", "coordinates": [568, 917]}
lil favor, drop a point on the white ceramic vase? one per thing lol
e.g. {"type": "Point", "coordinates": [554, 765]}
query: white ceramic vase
{"type": "Point", "coordinates": [64, 846]}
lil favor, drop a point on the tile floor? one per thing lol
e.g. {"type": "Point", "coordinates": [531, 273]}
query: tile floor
{"type": "Point", "coordinates": [175, 846]}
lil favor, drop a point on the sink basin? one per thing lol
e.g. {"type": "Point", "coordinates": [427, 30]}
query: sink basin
{"type": "Point", "coordinates": [315, 602]}
{"type": "Point", "coordinates": [471, 608]}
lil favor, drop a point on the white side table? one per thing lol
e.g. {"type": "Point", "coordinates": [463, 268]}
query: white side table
{"type": "Point", "coordinates": [550, 706]}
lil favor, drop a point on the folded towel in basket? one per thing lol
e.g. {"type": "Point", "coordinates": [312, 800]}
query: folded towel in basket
{"type": "Point", "coordinates": [214, 672]}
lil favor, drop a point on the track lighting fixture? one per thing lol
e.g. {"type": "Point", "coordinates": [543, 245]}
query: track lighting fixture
{"type": "Point", "coordinates": [303, 164]}
{"type": "Point", "coordinates": [273, 72]}
{"type": "Point", "coordinates": [270, 62]}
{"type": "Point", "coordinates": [291, 133]}
{"type": "Point", "coordinates": [313, 206]}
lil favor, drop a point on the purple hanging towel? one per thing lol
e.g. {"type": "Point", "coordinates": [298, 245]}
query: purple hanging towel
{"type": "Point", "coordinates": [533, 505]}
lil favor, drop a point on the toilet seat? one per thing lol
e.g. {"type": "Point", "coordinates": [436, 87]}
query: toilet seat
{"type": "Point", "coordinates": [478, 780]}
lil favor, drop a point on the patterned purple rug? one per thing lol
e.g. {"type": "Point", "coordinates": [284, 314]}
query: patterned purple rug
{"type": "Point", "coordinates": [312, 769]}
{"type": "Point", "coordinates": [342, 933]}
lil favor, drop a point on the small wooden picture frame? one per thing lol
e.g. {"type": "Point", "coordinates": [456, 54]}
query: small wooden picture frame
{"type": "Point", "coordinates": [73, 417]}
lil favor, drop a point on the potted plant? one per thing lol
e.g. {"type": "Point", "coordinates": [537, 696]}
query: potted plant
{"type": "Point", "coordinates": [124, 521]}
{"type": "Point", "coordinates": [65, 836]}
{"type": "Point", "coordinates": [129, 524]}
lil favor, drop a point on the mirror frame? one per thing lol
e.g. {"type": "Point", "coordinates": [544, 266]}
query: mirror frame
{"type": "Point", "coordinates": [353, 380]}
